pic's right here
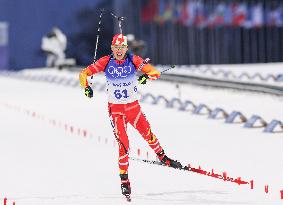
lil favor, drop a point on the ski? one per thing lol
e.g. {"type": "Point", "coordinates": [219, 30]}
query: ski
{"type": "Point", "coordinates": [159, 163]}
{"type": "Point", "coordinates": [128, 197]}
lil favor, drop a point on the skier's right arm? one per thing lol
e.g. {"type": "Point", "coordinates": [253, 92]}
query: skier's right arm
{"type": "Point", "coordinates": [92, 69]}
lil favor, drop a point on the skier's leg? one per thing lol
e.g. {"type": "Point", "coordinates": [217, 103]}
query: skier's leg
{"type": "Point", "coordinates": [119, 125]}
{"type": "Point", "coordinates": [139, 122]}
{"type": "Point", "coordinates": [144, 128]}
{"type": "Point", "coordinates": [119, 129]}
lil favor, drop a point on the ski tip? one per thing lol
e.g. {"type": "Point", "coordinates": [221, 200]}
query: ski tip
{"type": "Point", "coordinates": [128, 198]}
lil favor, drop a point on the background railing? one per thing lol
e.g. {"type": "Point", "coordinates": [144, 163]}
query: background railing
{"type": "Point", "coordinates": [235, 116]}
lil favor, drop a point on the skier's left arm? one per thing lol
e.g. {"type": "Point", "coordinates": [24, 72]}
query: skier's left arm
{"type": "Point", "coordinates": [146, 68]}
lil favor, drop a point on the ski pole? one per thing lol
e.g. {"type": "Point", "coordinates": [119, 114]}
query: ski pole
{"type": "Point", "coordinates": [88, 89]}
{"type": "Point", "coordinates": [143, 78]}
{"type": "Point", "coordinates": [98, 31]}
{"type": "Point", "coordinates": [171, 67]}
{"type": "Point", "coordinates": [120, 19]}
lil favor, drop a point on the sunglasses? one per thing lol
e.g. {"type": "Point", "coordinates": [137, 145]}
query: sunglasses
{"type": "Point", "coordinates": [119, 47]}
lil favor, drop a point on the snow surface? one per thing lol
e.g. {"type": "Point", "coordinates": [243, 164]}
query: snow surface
{"type": "Point", "coordinates": [45, 164]}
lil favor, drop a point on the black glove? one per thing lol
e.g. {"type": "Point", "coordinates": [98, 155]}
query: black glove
{"type": "Point", "coordinates": [88, 92]}
{"type": "Point", "coordinates": [143, 78]}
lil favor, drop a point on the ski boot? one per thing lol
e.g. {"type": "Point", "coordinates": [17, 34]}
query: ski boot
{"type": "Point", "coordinates": [125, 186]}
{"type": "Point", "coordinates": [168, 162]}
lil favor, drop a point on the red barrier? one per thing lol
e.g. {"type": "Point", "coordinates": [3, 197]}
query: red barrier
{"type": "Point", "coordinates": [252, 184]}
{"type": "Point", "coordinates": [5, 201]}
{"type": "Point", "coordinates": [281, 192]}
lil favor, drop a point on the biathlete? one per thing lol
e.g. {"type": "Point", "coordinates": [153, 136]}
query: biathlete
{"type": "Point", "coordinates": [120, 69]}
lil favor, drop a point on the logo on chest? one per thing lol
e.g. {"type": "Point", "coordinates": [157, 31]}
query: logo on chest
{"type": "Point", "coordinates": [119, 71]}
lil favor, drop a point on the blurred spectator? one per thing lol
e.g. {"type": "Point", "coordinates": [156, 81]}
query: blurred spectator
{"type": "Point", "coordinates": [138, 47]}
{"type": "Point", "coordinates": [200, 14]}
{"type": "Point", "coordinates": [275, 15]}
{"type": "Point", "coordinates": [54, 44]}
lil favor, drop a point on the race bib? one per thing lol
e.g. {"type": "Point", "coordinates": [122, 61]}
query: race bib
{"type": "Point", "coordinates": [121, 82]}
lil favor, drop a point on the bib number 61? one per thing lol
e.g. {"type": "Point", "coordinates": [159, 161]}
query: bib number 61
{"type": "Point", "coordinates": [119, 94]}
{"type": "Point", "coordinates": [124, 93]}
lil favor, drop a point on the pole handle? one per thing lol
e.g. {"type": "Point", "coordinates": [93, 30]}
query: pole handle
{"type": "Point", "coordinates": [143, 78]}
